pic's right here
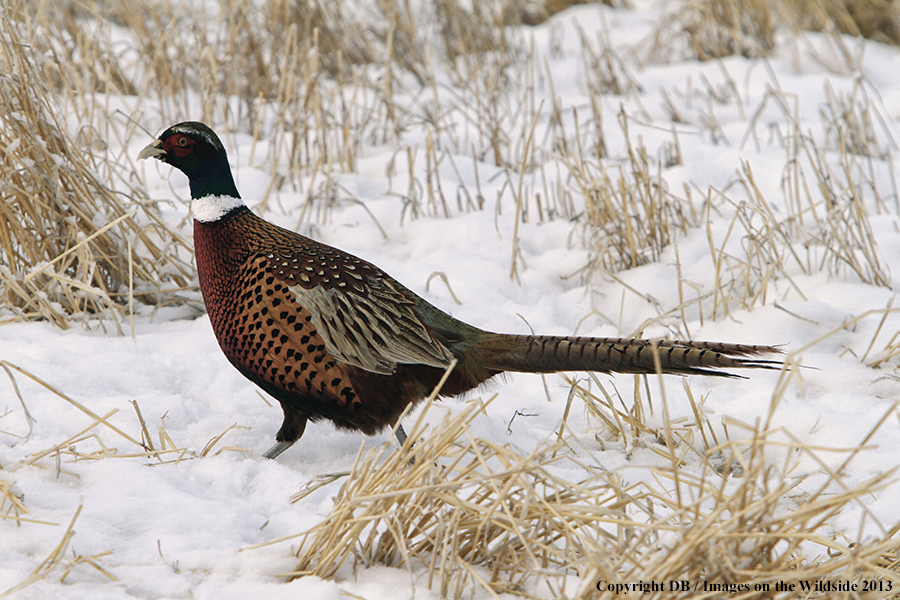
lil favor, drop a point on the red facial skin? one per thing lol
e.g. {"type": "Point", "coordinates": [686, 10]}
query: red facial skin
{"type": "Point", "coordinates": [179, 145]}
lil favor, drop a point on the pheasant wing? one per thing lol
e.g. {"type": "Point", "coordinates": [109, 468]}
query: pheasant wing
{"type": "Point", "coordinates": [372, 325]}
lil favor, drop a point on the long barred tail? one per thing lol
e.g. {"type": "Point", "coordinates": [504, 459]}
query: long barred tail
{"type": "Point", "coordinates": [548, 354]}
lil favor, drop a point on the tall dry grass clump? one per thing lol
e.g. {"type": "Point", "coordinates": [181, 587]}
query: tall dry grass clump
{"type": "Point", "coordinates": [469, 516]}
{"type": "Point", "coordinates": [630, 217]}
{"type": "Point", "coordinates": [711, 29]}
{"type": "Point", "coordinates": [877, 20]}
{"type": "Point", "coordinates": [69, 244]}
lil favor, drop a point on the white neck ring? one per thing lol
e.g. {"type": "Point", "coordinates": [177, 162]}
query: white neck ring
{"type": "Point", "coordinates": [212, 208]}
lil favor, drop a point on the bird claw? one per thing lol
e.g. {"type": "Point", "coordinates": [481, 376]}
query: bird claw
{"type": "Point", "coordinates": [401, 435]}
{"type": "Point", "coordinates": [277, 449]}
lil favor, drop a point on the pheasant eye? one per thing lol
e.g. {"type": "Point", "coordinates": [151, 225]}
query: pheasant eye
{"type": "Point", "coordinates": [179, 145]}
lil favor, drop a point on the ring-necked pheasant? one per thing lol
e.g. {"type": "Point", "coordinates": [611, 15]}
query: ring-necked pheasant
{"type": "Point", "coordinates": [331, 336]}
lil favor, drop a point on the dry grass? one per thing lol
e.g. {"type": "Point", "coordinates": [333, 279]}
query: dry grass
{"type": "Point", "coordinates": [830, 193]}
{"type": "Point", "coordinates": [339, 78]}
{"type": "Point", "coordinates": [712, 29]}
{"type": "Point", "coordinates": [163, 451]}
{"type": "Point", "coordinates": [12, 504]}
{"type": "Point", "coordinates": [878, 20]}
{"type": "Point", "coordinates": [472, 515]}
{"type": "Point", "coordinates": [57, 560]}
{"type": "Point", "coordinates": [79, 238]}
{"type": "Point", "coordinates": [91, 442]}
{"type": "Point", "coordinates": [70, 245]}
{"type": "Point", "coordinates": [630, 217]}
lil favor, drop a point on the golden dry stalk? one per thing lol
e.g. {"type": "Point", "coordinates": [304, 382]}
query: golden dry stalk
{"type": "Point", "coordinates": [472, 515]}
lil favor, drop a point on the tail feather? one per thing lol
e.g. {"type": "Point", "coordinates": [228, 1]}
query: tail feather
{"type": "Point", "coordinates": [549, 354]}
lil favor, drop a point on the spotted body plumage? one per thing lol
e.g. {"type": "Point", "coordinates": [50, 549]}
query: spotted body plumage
{"type": "Point", "coordinates": [331, 336]}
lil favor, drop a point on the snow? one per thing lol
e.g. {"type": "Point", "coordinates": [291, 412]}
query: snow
{"type": "Point", "coordinates": [183, 529]}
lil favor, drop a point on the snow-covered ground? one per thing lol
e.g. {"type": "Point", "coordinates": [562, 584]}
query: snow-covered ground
{"type": "Point", "coordinates": [176, 530]}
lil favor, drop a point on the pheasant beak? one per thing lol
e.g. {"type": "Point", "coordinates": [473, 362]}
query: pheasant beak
{"type": "Point", "coordinates": [153, 150]}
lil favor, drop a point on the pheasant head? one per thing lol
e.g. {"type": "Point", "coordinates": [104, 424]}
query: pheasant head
{"type": "Point", "coordinates": [195, 150]}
